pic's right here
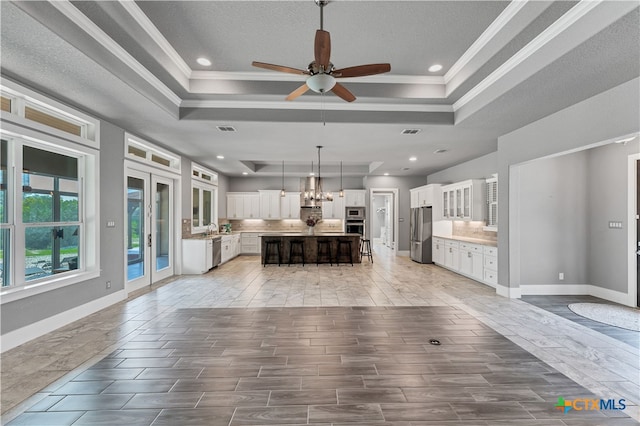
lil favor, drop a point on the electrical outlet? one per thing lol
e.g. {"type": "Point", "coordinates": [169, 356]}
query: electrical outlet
{"type": "Point", "coordinates": [108, 284]}
{"type": "Point", "coordinates": [561, 276]}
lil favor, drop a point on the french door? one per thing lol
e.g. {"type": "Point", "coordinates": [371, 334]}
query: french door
{"type": "Point", "coordinates": [149, 235]}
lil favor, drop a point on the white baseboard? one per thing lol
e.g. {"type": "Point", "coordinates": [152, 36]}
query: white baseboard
{"type": "Point", "coordinates": [511, 293]}
{"type": "Point", "coordinates": [405, 253]}
{"type": "Point", "coordinates": [577, 290]}
{"type": "Point", "coordinates": [22, 335]}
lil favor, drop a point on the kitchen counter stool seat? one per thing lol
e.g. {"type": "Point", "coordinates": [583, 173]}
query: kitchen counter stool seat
{"type": "Point", "coordinates": [365, 249]}
{"type": "Point", "coordinates": [298, 251]}
{"type": "Point", "coordinates": [272, 247]}
{"type": "Point", "coordinates": [324, 250]}
{"type": "Point", "coordinates": [344, 250]}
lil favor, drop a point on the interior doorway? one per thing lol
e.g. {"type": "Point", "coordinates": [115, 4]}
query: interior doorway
{"type": "Point", "coordinates": [637, 246]}
{"type": "Point", "coordinates": [383, 213]}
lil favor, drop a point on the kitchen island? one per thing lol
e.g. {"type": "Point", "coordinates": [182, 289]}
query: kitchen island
{"type": "Point", "coordinates": [310, 244]}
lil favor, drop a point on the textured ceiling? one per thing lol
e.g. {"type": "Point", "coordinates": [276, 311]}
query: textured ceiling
{"type": "Point", "coordinates": [180, 109]}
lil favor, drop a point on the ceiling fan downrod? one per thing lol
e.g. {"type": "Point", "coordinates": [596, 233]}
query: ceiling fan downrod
{"type": "Point", "coordinates": [321, 4]}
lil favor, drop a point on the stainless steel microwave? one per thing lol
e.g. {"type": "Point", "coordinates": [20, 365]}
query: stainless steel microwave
{"type": "Point", "coordinates": [354, 213]}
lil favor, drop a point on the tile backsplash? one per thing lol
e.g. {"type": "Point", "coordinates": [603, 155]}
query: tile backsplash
{"type": "Point", "coordinates": [473, 230]}
{"type": "Point", "coordinates": [286, 225]}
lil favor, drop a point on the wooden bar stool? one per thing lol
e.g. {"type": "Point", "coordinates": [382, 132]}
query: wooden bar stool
{"type": "Point", "coordinates": [365, 249]}
{"type": "Point", "coordinates": [272, 247]}
{"type": "Point", "coordinates": [342, 246]}
{"type": "Point", "coordinates": [299, 252]}
{"type": "Point", "coordinates": [324, 250]}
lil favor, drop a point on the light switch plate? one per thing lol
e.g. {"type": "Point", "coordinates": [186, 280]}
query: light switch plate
{"type": "Point", "coordinates": [111, 224]}
{"type": "Point", "coordinates": [615, 225]}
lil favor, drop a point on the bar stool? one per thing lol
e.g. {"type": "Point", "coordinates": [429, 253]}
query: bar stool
{"type": "Point", "coordinates": [299, 245]}
{"type": "Point", "coordinates": [270, 246]}
{"type": "Point", "coordinates": [324, 249]}
{"type": "Point", "coordinates": [365, 249]}
{"type": "Point", "coordinates": [342, 246]}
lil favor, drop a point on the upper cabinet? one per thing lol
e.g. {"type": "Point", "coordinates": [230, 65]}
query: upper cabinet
{"type": "Point", "coordinates": [428, 196]}
{"type": "Point", "coordinates": [464, 200]}
{"type": "Point", "coordinates": [243, 205]}
{"type": "Point", "coordinates": [290, 206]}
{"type": "Point", "coordinates": [270, 204]}
{"type": "Point", "coordinates": [334, 209]}
{"type": "Point", "coordinates": [354, 198]}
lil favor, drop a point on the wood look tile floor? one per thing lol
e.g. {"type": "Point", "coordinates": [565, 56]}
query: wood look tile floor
{"type": "Point", "coordinates": [247, 345]}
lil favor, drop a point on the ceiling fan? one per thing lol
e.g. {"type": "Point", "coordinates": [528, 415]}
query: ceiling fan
{"type": "Point", "coordinates": [321, 72]}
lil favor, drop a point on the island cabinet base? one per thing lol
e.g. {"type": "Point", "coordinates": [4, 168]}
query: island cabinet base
{"type": "Point", "coordinates": [310, 244]}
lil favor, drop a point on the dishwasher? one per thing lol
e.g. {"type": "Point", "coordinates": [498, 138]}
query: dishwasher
{"type": "Point", "coordinates": [217, 251]}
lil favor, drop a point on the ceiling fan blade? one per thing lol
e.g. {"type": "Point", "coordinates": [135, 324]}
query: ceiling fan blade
{"type": "Point", "coordinates": [322, 48]}
{"type": "Point", "coordinates": [342, 92]}
{"type": "Point", "coordinates": [280, 68]}
{"type": "Point", "coordinates": [361, 70]}
{"type": "Point", "coordinates": [299, 91]}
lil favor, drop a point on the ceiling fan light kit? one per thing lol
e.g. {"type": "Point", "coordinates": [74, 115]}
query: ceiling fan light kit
{"type": "Point", "coordinates": [321, 72]}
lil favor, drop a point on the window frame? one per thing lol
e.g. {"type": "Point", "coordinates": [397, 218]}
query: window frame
{"type": "Point", "coordinates": [88, 192]}
{"type": "Point", "coordinates": [201, 184]}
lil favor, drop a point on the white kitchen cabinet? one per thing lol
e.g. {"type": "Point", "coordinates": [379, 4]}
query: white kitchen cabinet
{"type": "Point", "coordinates": [438, 251]}
{"type": "Point", "coordinates": [290, 206]}
{"type": "Point", "coordinates": [428, 196]}
{"type": "Point", "coordinates": [452, 255]}
{"type": "Point", "coordinates": [490, 265]}
{"type": "Point", "coordinates": [464, 200]}
{"type": "Point", "coordinates": [471, 261]}
{"type": "Point", "coordinates": [251, 206]}
{"type": "Point", "coordinates": [414, 198]}
{"type": "Point", "coordinates": [250, 243]}
{"type": "Point", "coordinates": [243, 205]}
{"type": "Point", "coordinates": [334, 209]}
{"type": "Point", "coordinates": [270, 204]}
{"type": "Point", "coordinates": [230, 247]}
{"type": "Point", "coordinates": [197, 255]}
{"type": "Point", "coordinates": [354, 197]}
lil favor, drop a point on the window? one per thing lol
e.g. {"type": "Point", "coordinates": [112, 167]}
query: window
{"type": "Point", "coordinates": [49, 194]}
{"type": "Point", "coordinates": [492, 203]}
{"type": "Point", "coordinates": [204, 199]}
{"type": "Point", "coordinates": [142, 151]}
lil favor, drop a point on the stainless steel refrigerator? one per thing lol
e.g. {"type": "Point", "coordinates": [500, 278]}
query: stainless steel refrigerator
{"type": "Point", "coordinates": [421, 234]}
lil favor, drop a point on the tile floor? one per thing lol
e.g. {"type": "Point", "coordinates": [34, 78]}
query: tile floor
{"type": "Point", "coordinates": [319, 345]}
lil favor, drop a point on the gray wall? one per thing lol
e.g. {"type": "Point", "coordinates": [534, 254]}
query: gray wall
{"type": "Point", "coordinates": [250, 184]}
{"type": "Point", "coordinates": [602, 117]}
{"type": "Point", "coordinates": [478, 168]}
{"type": "Point", "coordinates": [185, 169]}
{"type": "Point", "coordinates": [553, 212]}
{"type": "Point", "coordinates": [27, 311]}
{"type": "Point", "coordinates": [223, 188]}
{"type": "Point", "coordinates": [403, 184]}
{"type": "Point", "coordinates": [607, 178]}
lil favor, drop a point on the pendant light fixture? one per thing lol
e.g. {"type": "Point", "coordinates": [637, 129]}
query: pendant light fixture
{"type": "Point", "coordinates": [282, 191]}
{"type": "Point", "coordinates": [341, 193]}
{"type": "Point", "coordinates": [320, 194]}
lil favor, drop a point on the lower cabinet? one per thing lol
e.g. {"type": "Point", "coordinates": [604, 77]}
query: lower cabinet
{"type": "Point", "coordinates": [250, 243]}
{"type": "Point", "coordinates": [197, 256]}
{"type": "Point", "coordinates": [230, 247]}
{"type": "Point", "coordinates": [478, 262]}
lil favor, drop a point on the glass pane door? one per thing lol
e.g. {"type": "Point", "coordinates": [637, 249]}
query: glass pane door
{"type": "Point", "coordinates": [163, 227]}
{"type": "Point", "coordinates": [136, 244]}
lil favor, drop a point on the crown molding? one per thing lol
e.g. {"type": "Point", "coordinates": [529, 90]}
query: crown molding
{"type": "Point", "coordinates": [554, 30]}
{"type": "Point", "coordinates": [314, 106]}
{"type": "Point", "coordinates": [512, 9]}
{"type": "Point", "coordinates": [277, 76]}
{"type": "Point", "coordinates": [84, 23]}
{"type": "Point", "coordinates": [145, 23]}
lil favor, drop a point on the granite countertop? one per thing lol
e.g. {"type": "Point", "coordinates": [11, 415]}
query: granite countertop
{"type": "Point", "coordinates": [204, 237]}
{"type": "Point", "coordinates": [470, 240]}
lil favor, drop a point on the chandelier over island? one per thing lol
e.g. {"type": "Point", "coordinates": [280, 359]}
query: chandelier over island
{"type": "Point", "coordinates": [313, 192]}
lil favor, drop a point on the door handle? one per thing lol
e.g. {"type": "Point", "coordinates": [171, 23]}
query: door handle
{"type": "Point", "coordinates": [149, 240]}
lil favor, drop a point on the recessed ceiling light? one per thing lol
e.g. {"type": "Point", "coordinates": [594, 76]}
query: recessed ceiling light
{"type": "Point", "coordinates": [386, 174]}
{"type": "Point", "coordinates": [439, 151]}
{"type": "Point", "coordinates": [220, 157]}
{"type": "Point", "coordinates": [245, 173]}
{"type": "Point", "coordinates": [203, 61]}
{"type": "Point", "coordinates": [413, 158]}
{"type": "Point", "coordinates": [435, 68]}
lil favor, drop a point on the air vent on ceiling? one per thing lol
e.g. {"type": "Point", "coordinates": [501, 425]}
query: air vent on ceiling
{"type": "Point", "coordinates": [410, 131]}
{"type": "Point", "coordinates": [439, 151]}
{"type": "Point", "coordinates": [226, 128]}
